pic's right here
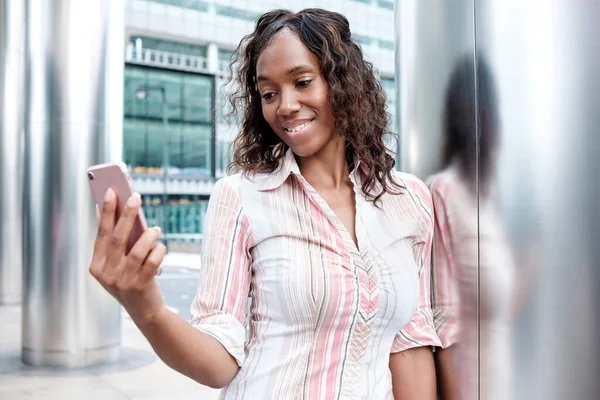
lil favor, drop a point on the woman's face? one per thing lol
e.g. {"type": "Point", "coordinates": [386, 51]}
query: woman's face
{"type": "Point", "coordinates": [294, 95]}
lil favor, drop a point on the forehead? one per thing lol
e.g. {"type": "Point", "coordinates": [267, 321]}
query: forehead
{"type": "Point", "coordinates": [285, 52]}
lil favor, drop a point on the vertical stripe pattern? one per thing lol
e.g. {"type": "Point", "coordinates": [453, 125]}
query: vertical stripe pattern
{"type": "Point", "coordinates": [325, 314]}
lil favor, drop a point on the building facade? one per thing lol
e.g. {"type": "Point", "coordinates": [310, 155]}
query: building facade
{"type": "Point", "coordinates": [182, 48]}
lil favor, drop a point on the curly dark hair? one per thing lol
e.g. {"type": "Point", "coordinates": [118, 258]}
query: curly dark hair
{"type": "Point", "coordinates": [356, 97]}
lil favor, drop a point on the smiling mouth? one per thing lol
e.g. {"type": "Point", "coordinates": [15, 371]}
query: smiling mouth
{"type": "Point", "coordinates": [299, 127]}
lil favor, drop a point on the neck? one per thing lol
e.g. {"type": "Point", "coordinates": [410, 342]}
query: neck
{"type": "Point", "coordinates": [328, 168]}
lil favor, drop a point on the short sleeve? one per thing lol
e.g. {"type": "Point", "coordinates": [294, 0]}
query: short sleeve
{"type": "Point", "coordinates": [420, 331]}
{"type": "Point", "coordinates": [220, 306]}
{"type": "Point", "coordinates": [445, 291]}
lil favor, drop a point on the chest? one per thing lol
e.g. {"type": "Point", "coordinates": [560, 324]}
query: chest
{"type": "Point", "coordinates": [306, 268]}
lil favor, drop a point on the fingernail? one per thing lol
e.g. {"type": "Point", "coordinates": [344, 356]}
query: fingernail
{"type": "Point", "coordinates": [134, 200]}
{"type": "Point", "coordinates": [158, 230]}
{"type": "Point", "coordinates": [109, 195]}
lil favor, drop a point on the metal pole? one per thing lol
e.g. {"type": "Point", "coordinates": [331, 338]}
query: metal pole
{"type": "Point", "coordinates": [165, 145]}
{"type": "Point", "coordinates": [12, 109]}
{"type": "Point", "coordinates": [73, 119]}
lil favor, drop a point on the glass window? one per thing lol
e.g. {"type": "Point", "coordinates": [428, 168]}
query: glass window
{"type": "Point", "coordinates": [386, 44]}
{"type": "Point", "coordinates": [172, 2]}
{"type": "Point", "coordinates": [197, 98]}
{"type": "Point", "coordinates": [134, 143]}
{"type": "Point", "coordinates": [224, 157]}
{"type": "Point", "coordinates": [134, 78]}
{"type": "Point", "coordinates": [237, 13]}
{"type": "Point", "coordinates": [192, 4]}
{"type": "Point", "coordinates": [224, 60]}
{"type": "Point", "coordinates": [387, 4]}
{"type": "Point", "coordinates": [176, 145]}
{"type": "Point", "coordinates": [196, 5]}
{"type": "Point", "coordinates": [155, 132]}
{"type": "Point", "coordinates": [388, 84]}
{"type": "Point", "coordinates": [224, 108]}
{"type": "Point", "coordinates": [225, 55]}
{"type": "Point", "coordinates": [364, 40]}
{"type": "Point", "coordinates": [189, 99]}
{"type": "Point", "coordinates": [196, 140]}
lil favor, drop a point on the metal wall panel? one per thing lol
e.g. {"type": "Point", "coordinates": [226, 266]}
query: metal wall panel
{"type": "Point", "coordinates": [12, 106]}
{"type": "Point", "coordinates": [528, 263]}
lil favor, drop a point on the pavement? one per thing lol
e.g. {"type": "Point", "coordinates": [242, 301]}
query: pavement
{"type": "Point", "coordinates": [138, 374]}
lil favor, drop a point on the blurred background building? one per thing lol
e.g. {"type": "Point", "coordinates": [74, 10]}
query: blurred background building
{"type": "Point", "coordinates": [185, 47]}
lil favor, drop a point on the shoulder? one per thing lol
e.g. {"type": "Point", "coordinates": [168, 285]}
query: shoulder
{"type": "Point", "coordinates": [241, 190]}
{"type": "Point", "coordinates": [414, 187]}
{"type": "Point", "coordinates": [227, 184]}
{"type": "Point", "coordinates": [238, 182]}
{"type": "Point", "coordinates": [228, 189]}
{"type": "Point", "coordinates": [411, 183]}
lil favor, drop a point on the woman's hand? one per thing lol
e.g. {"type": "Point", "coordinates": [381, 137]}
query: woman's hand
{"type": "Point", "coordinates": [128, 278]}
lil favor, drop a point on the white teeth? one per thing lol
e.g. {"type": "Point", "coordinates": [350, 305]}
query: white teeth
{"type": "Point", "coordinates": [298, 128]}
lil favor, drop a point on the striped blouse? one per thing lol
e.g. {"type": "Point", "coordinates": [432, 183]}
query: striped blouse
{"type": "Point", "coordinates": [306, 313]}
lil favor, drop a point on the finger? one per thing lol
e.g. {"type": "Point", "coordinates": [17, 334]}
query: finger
{"type": "Point", "coordinates": [153, 262]}
{"type": "Point", "coordinates": [105, 225]}
{"type": "Point", "coordinates": [122, 230]}
{"type": "Point", "coordinates": [140, 252]}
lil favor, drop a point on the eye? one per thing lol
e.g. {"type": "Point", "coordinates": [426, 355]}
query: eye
{"type": "Point", "coordinates": [304, 83]}
{"type": "Point", "coordinates": [268, 96]}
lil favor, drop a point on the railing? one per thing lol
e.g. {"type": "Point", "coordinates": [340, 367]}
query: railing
{"type": "Point", "coordinates": [224, 67]}
{"type": "Point", "coordinates": [166, 59]}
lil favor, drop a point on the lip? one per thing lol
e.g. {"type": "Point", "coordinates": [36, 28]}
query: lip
{"type": "Point", "coordinates": [306, 126]}
{"type": "Point", "coordinates": [295, 123]}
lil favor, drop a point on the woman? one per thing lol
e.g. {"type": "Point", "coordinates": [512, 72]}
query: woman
{"type": "Point", "coordinates": [317, 233]}
{"type": "Point", "coordinates": [473, 268]}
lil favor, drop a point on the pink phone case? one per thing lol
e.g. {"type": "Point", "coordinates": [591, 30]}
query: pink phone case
{"type": "Point", "coordinates": [116, 176]}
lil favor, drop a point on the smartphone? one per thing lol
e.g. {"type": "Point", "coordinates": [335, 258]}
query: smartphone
{"type": "Point", "coordinates": [116, 176]}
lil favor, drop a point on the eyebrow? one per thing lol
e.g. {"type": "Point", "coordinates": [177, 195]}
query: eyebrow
{"type": "Point", "coordinates": [297, 68]}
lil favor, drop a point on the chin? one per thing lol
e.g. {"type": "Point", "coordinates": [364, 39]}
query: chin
{"type": "Point", "coordinates": [304, 151]}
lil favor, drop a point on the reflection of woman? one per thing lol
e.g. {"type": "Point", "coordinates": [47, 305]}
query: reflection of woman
{"type": "Point", "coordinates": [472, 264]}
{"type": "Point", "coordinates": [327, 241]}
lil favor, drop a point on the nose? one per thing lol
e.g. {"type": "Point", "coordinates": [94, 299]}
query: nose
{"type": "Point", "coordinates": [289, 103]}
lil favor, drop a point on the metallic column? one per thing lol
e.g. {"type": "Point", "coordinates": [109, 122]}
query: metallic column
{"type": "Point", "coordinates": [431, 37]}
{"type": "Point", "coordinates": [543, 55]}
{"type": "Point", "coordinates": [74, 114]}
{"type": "Point", "coordinates": [12, 79]}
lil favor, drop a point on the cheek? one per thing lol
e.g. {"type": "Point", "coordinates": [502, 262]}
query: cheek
{"type": "Point", "coordinates": [269, 112]}
{"type": "Point", "coordinates": [321, 101]}
{"type": "Point", "coordinates": [326, 112]}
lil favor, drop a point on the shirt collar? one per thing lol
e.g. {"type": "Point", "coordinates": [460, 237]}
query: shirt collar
{"type": "Point", "coordinates": [286, 167]}
{"type": "Point", "coordinates": [289, 166]}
